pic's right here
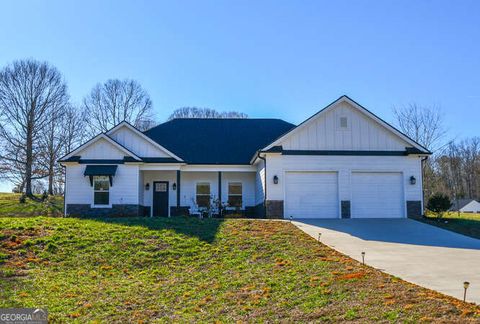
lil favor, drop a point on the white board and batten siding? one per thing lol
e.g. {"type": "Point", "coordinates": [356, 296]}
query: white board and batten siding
{"type": "Point", "coordinates": [136, 143]}
{"type": "Point", "coordinates": [102, 149]}
{"type": "Point", "coordinates": [375, 186]}
{"type": "Point", "coordinates": [361, 133]}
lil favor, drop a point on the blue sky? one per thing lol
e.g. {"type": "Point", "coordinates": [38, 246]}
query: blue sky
{"type": "Point", "coordinates": [283, 59]}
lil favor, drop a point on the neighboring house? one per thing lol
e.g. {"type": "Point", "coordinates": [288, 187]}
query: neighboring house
{"type": "Point", "coordinates": [343, 162]}
{"type": "Point", "coordinates": [466, 206]}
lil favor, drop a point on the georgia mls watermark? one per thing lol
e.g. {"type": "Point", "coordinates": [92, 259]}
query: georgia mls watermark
{"type": "Point", "coordinates": [23, 316]}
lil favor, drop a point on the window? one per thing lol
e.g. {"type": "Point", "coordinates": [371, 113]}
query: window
{"type": "Point", "coordinates": [343, 122]}
{"type": "Point", "coordinates": [101, 187]}
{"type": "Point", "coordinates": [161, 187]}
{"type": "Point", "coordinates": [235, 194]}
{"type": "Point", "coordinates": [203, 194]}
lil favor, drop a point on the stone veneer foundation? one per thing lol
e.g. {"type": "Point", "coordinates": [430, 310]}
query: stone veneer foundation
{"type": "Point", "coordinates": [85, 210]}
{"type": "Point", "coordinates": [274, 209]}
{"type": "Point", "coordinates": [414, 208]}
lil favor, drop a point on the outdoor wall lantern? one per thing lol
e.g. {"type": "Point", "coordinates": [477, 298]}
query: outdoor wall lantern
{"type": "Point", "coordinates": [413, 180]}
{"type": "Point", "coordinates": [147, 186]}
{"type": "Point", "coordinates": [275, 179]}
{"type": "Point", "coordinates": [174, 186]}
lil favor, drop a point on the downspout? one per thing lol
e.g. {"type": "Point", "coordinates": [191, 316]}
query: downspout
{"type": "Point", "coordinates": [423, 184]}
{"type": "Point", "coordinates": [64, 191]}
{"type": "Point", "coordinates": [265, 180]}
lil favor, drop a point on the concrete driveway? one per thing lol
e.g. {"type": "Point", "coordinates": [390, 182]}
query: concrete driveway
{"type": "Point", "coordinates": [419, 253]}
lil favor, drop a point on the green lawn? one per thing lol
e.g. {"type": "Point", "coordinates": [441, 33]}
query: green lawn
{"type": "Point", "coordinates": [465, 223]}
{"type": "Point", "coordinates": [10, 206]}
{"type": "Point", "coordinates": [190, 270]}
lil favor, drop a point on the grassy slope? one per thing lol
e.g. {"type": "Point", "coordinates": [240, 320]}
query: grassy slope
{"type": "Point", "coordinates": [125, 270]}
{"type": "Point", "coordinates": [10, 206]}
{"type": "Point", "coordinates": [465, 223]}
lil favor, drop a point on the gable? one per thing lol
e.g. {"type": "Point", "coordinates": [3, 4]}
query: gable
{"type": "Point", "coordinates": [344, 125]}
{"type": "Point", "coordinates": [101, 149]}
{"type": "Point", "coordinates": [471, 206]}
{"type": "Point", "coordinates": [325, 132]}
{"type": "Point", "coordinates": [136, 143]}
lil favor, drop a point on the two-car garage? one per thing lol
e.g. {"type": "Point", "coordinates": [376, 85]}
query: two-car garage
{"type": "Point", "coordinates": [316, 194]}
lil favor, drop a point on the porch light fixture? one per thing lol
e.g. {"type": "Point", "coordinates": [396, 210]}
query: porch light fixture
{"type": "Point", "coordinates": [413, 180]}
{"type": "Point", "coordinates": [275, 179]}
{"type": "Point", "coordinates": [147, 186]}
{"type": "Point", "coordinates": [174, 186]}
{"type": "Point", "coordinates": [465, 287]}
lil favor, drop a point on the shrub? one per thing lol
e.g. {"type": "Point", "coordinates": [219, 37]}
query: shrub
{"type": "Point", "coordinates": [439, 204]}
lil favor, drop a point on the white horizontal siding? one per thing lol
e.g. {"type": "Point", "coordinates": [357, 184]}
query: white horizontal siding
{"type": "Point", "coordinates": [248, 186]}
{"type": "Point", "coordinates": [136, 144]}
{"type": "Point", "coordinates": [101, 149]}
{"type": "Point", "coordinates": [344, 165]}
{"type": "Point", "coordinates": [260, 183]}
{"type": "Point", "coordinates": [324, 133]}
{"type": "Point", "coordinates": [123, 191]}
{"type": "Point", "coordinates": [79, 190]}
{"type": "Point", "coordinates": [152, 176]}
{"type": "Point", "coordinates": [189, 180]}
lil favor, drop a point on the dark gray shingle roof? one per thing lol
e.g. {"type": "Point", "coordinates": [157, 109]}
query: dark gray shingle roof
{"type": "Point", "coordinates": [217, 141]}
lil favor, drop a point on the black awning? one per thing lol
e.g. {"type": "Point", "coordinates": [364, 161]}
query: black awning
{"type": "Point", "coordinates": [100, 170]}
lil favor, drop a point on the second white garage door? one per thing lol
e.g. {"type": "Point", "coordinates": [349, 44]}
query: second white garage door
{"type": "Point", "coordinates": [377, 195]}
{"type": "Point", "coordinates": [311, 195]}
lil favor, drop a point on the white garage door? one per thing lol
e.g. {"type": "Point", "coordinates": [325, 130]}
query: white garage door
{"type": "Point", "coordinates": [377, 195]}
{"type": "Point", "coordinates": [311, 195]}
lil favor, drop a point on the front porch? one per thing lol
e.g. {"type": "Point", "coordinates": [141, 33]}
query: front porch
{"type": "Point", "coordinates": [197, 191]}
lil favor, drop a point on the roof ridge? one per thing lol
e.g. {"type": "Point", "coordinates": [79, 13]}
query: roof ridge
{"type": "Point", "coordinates": [226, 118]}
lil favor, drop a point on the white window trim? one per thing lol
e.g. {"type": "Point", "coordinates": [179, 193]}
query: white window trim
{"type": "Point", "coordinates": [241, 195]}
{"type": "Point", "coordinates": [210, 194]}
{"type": "Point", "coordinates": [93, 205]}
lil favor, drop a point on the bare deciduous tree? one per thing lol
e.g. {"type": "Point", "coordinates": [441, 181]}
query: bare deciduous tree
{"type": "Point", "coordinates": [29, 93]}
{"type": "Point", "coordinates": [73, 128]}
{"type": "Point", "coordinates": [115, 101]}
{"type": "Point", "coordinates": [425, 126]}
{"type": "Point", "coordinates": [51, 143]}
{"type": "Point", "coordinates": [194, 112]}
{"type": "Point", "coordinates": [458, 169]}
{"type": "Point", "coordinates": [422, 124]}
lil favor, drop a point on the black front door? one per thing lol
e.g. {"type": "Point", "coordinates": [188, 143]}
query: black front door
{"type": "Point", "coordinates": [160, 198]}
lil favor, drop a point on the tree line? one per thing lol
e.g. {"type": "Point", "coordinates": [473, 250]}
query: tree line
{"type": "Point", "coordinates": [453, 169]}
{"type": "Point", "coordinates": [39, 123]}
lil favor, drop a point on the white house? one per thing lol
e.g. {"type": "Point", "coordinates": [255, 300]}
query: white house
{"type": "Point", "coordinates": [466, 206]}
{"type": "Point", "coordinates": [343, 162]}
